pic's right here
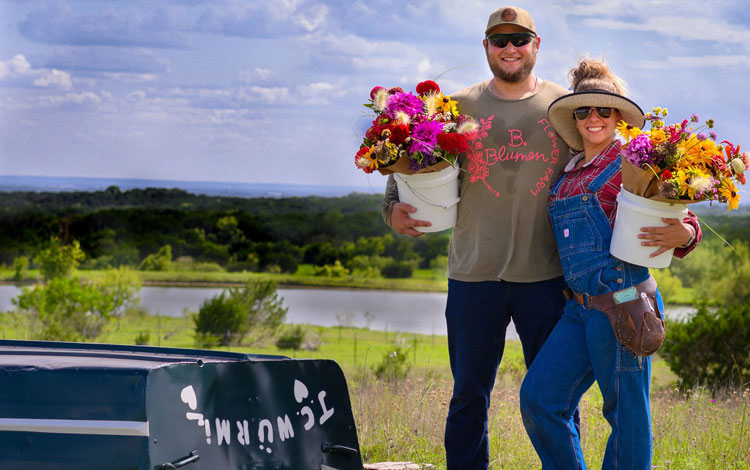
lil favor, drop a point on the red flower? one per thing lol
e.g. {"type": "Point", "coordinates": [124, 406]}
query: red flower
{"type": "Point", "coordinates": [359, 154]}
{"type": "Point", "coordinates": [665, 175]}
{"type": "Point", "coordinates": [375, 90]}
{"type": "Point", "coordinates": [452, 143]}
{"type": "Point", "coordinates": [394, 90]}
{"type": "Point", "coordinates": [427, 86]}
{"type": "Point", "coordinates": [375, 132]}
{"type": "Point", "coordinates": [399, 134]}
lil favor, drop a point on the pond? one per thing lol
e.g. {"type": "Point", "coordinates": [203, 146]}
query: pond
{"type": "Point", "coordinates": [409, 312]}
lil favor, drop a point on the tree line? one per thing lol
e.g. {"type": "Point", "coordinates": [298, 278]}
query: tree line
{"type": "Point", "coordinates": [143, 227]}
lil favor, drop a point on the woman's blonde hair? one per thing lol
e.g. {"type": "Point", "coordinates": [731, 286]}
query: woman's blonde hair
{"type": "Point", "coordinates": [593, 74]}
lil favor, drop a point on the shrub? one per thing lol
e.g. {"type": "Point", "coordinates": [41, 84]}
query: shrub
{"type": "Point", "coordinates": [335, 270]}
{"type": "Point", "coordinates": [393, 366]}
{"type": "Point", "coordinates": [710, 348]}
{"type": "Point", "coordinates": [159, 261]}
{"type": "Point", "coordinates": [58, 260]}
{"type": "Point", "coordinates": [228, 317]}
{"type": "Point", "coordinates": [292, 338]}
{"type": "Point", "coordinates": [142, 338]}
{"type": "Point", "coordinates": [398, 269]}
{"type": "Point", "coordinates": [19, 267]}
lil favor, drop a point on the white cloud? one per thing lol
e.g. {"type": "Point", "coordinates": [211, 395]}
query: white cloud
{"type": "Point", "coordinates": [19, 71]}
{"type": "Point", "coordinates": [54, 78]}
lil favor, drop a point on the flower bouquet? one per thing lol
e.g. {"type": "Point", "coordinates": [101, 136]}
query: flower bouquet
{"type": "Point", "coordinates": [676, 163]}
{"type": "Point", "coordinates": [663, 169]}
{"type": "Point", "coordinates": [413, 133]}
{"type": "Point", "coordinates": [418, 138]}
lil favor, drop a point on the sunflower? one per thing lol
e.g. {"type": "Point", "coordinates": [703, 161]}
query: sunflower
{"type": "Point", "coordinates": [729, 191]}
{"type": "Point", "coordinates": [627, 131]}
{"type": "Point", "coordinates": [446, 104]}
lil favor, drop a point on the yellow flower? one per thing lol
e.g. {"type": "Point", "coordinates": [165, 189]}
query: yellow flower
{"type": "Point", "coordinates": [729, 191]}
{"type": "Point", "coordinates": [627, 131]}
{"type": "Point", "coordinates": [658, 136]}
{"type": "Point", "coordinates": [446, 104]}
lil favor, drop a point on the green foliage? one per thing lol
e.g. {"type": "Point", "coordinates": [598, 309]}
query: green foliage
{"type": "Point", "coordinates": [20, 264]}
{"type": "Point", "coordinates": [398, 269]}
{"type": "Point", "coordinates": [65, 309]}
{"type": "Point", "coordinates": [393, 366]}
{"type": "Point", "coordinates": [58, 260]}
{"type": "Point", "coordinates": [159, 261]}
{"type": "Point", "coordinates": [669, 285]}
{"type": "Point", "coordinates": [710, 348]}
{"type": "Point", "coordinates": [122, 286]}
{"type": "Point", "coordinates": [439, 266]}
{"type": "Point", "coordinates": [142, 338]}
{"type": "Point", "coordinates": [227, 318]}
{"type": "Point", "coordinates": [291, 338]}
{"type": "Point", "coordinates": [335, 270]}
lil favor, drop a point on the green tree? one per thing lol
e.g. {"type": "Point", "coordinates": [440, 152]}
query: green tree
{"type": "Point", "coordinates": [65, 309]}
{"type": "Point", "coordinates": [159, 261]}
{"type": "Point", "coordinates": [20, 263]}
{"type": "Point", "coordinates": [58, 260]}
{"type": "Point", "coordinates": [122, 286]}
{"type": "Point", "coordinates": [711, 348]}
{"type": "Point", "coordinates": [227, 318]}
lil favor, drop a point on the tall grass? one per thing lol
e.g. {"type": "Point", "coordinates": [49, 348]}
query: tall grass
{"type": "Point", "coordinates": [405, 419]}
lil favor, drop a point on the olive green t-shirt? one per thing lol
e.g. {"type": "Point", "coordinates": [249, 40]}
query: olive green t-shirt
{"type": "Point", "coordinates": [503, 230]}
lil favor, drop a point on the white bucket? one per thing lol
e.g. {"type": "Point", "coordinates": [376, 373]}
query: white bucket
{"type": "Point", "coordinates": [435, 196]}
{"type": "Point", "coordinates": [634, 212]}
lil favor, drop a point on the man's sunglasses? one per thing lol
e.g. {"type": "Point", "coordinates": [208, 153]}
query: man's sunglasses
{"type": "Point", "coordinates": [517, 39]}
{"type": "Point", "coordinates": [584, 112]}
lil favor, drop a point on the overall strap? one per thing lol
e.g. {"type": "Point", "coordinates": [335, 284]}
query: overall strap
{"type": "Point", "coordinates": [605, 175]}
{"type": "Point", "coordinates": [556, 186]}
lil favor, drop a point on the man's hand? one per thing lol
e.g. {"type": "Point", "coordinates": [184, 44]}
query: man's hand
{"type": "Point", "coordinates": [402, 223]}
{"type": "Point", "coordinates": [674, 235]}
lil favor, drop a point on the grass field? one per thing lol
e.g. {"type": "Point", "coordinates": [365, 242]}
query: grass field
{"type": "Point", "coordinates": [404, 419]}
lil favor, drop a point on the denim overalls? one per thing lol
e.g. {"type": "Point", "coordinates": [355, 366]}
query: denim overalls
{"type": "Point", "coordinates": [582, 347]}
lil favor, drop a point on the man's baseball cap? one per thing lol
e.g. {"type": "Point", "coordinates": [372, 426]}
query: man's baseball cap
{"type": "Point", "coordinates": [510, 15]}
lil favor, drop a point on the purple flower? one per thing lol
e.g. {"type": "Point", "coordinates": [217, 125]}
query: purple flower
{"type": "Point", "coordinates": [701, 136]}
{"type": "Point", "coordinates": [713, 135]}
{"type": "Point", "coordinates": [406, 102]}
{"type": "Point", "coordinates": [694, 118]}
{"type": "Point", "coordinates": [638, 150]}
{"type": "Point", "coordinates": [424, 137]}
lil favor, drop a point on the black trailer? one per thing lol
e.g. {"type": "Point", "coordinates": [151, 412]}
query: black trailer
{"type": "Point", "coordinates": [76, 406]}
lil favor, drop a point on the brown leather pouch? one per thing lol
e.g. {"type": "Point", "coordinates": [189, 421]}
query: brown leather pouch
{"type": "Point", "coordinates": [638, 325]}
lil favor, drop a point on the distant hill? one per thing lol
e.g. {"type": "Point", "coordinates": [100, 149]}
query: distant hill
{"type": "Point", "coordinates": [210, 188]}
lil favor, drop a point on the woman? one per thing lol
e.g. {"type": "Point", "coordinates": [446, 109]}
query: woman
{"type": "Point", "coordinates": [582, 348]}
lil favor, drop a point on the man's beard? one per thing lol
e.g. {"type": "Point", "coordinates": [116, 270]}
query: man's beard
{"type": "Point", "coordinates": [522, 73]}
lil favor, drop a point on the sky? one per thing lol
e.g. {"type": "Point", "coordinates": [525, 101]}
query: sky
{"type": "Point", "coordinates": [271, 91]}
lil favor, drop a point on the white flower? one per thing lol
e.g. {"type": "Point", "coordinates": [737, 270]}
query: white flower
{"type": "Point", "coordinates": [737, 165]}
{"type": "Point", "coordinates": [468, 127]}
{"type": "Point", "coordinates": [378, 102]}
{"type": "Point", "coordinates": [402, 117]}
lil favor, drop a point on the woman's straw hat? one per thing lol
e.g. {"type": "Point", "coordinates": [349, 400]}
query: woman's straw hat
{"type": "Point", "coordinates": [560, 112]}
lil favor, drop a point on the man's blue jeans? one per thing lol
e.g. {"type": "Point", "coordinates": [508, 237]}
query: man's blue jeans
{"type": "Point", "coordinates": [582, 349]}
{"type": "Point", "coordinates": [478, 314]}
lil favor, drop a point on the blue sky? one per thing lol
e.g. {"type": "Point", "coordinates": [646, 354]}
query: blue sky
{"type": "Point", "coordinates": [271, 90]}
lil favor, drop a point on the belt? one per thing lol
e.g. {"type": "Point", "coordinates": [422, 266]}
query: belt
{"type": "Point", "coordinates": [606, 301]}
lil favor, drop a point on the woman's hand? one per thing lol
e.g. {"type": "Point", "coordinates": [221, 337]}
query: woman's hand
{"type": "Point", "coordinates": [675, 234]}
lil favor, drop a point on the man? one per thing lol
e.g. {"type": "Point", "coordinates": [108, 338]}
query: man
{"type": "Point", "coordinates": [503, 260]}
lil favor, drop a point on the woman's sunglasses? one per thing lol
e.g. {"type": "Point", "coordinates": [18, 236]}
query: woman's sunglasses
{"type": "Point", "coordinates": [583, 113]}
{"type": "Point", "coordinates": [517, 39]}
